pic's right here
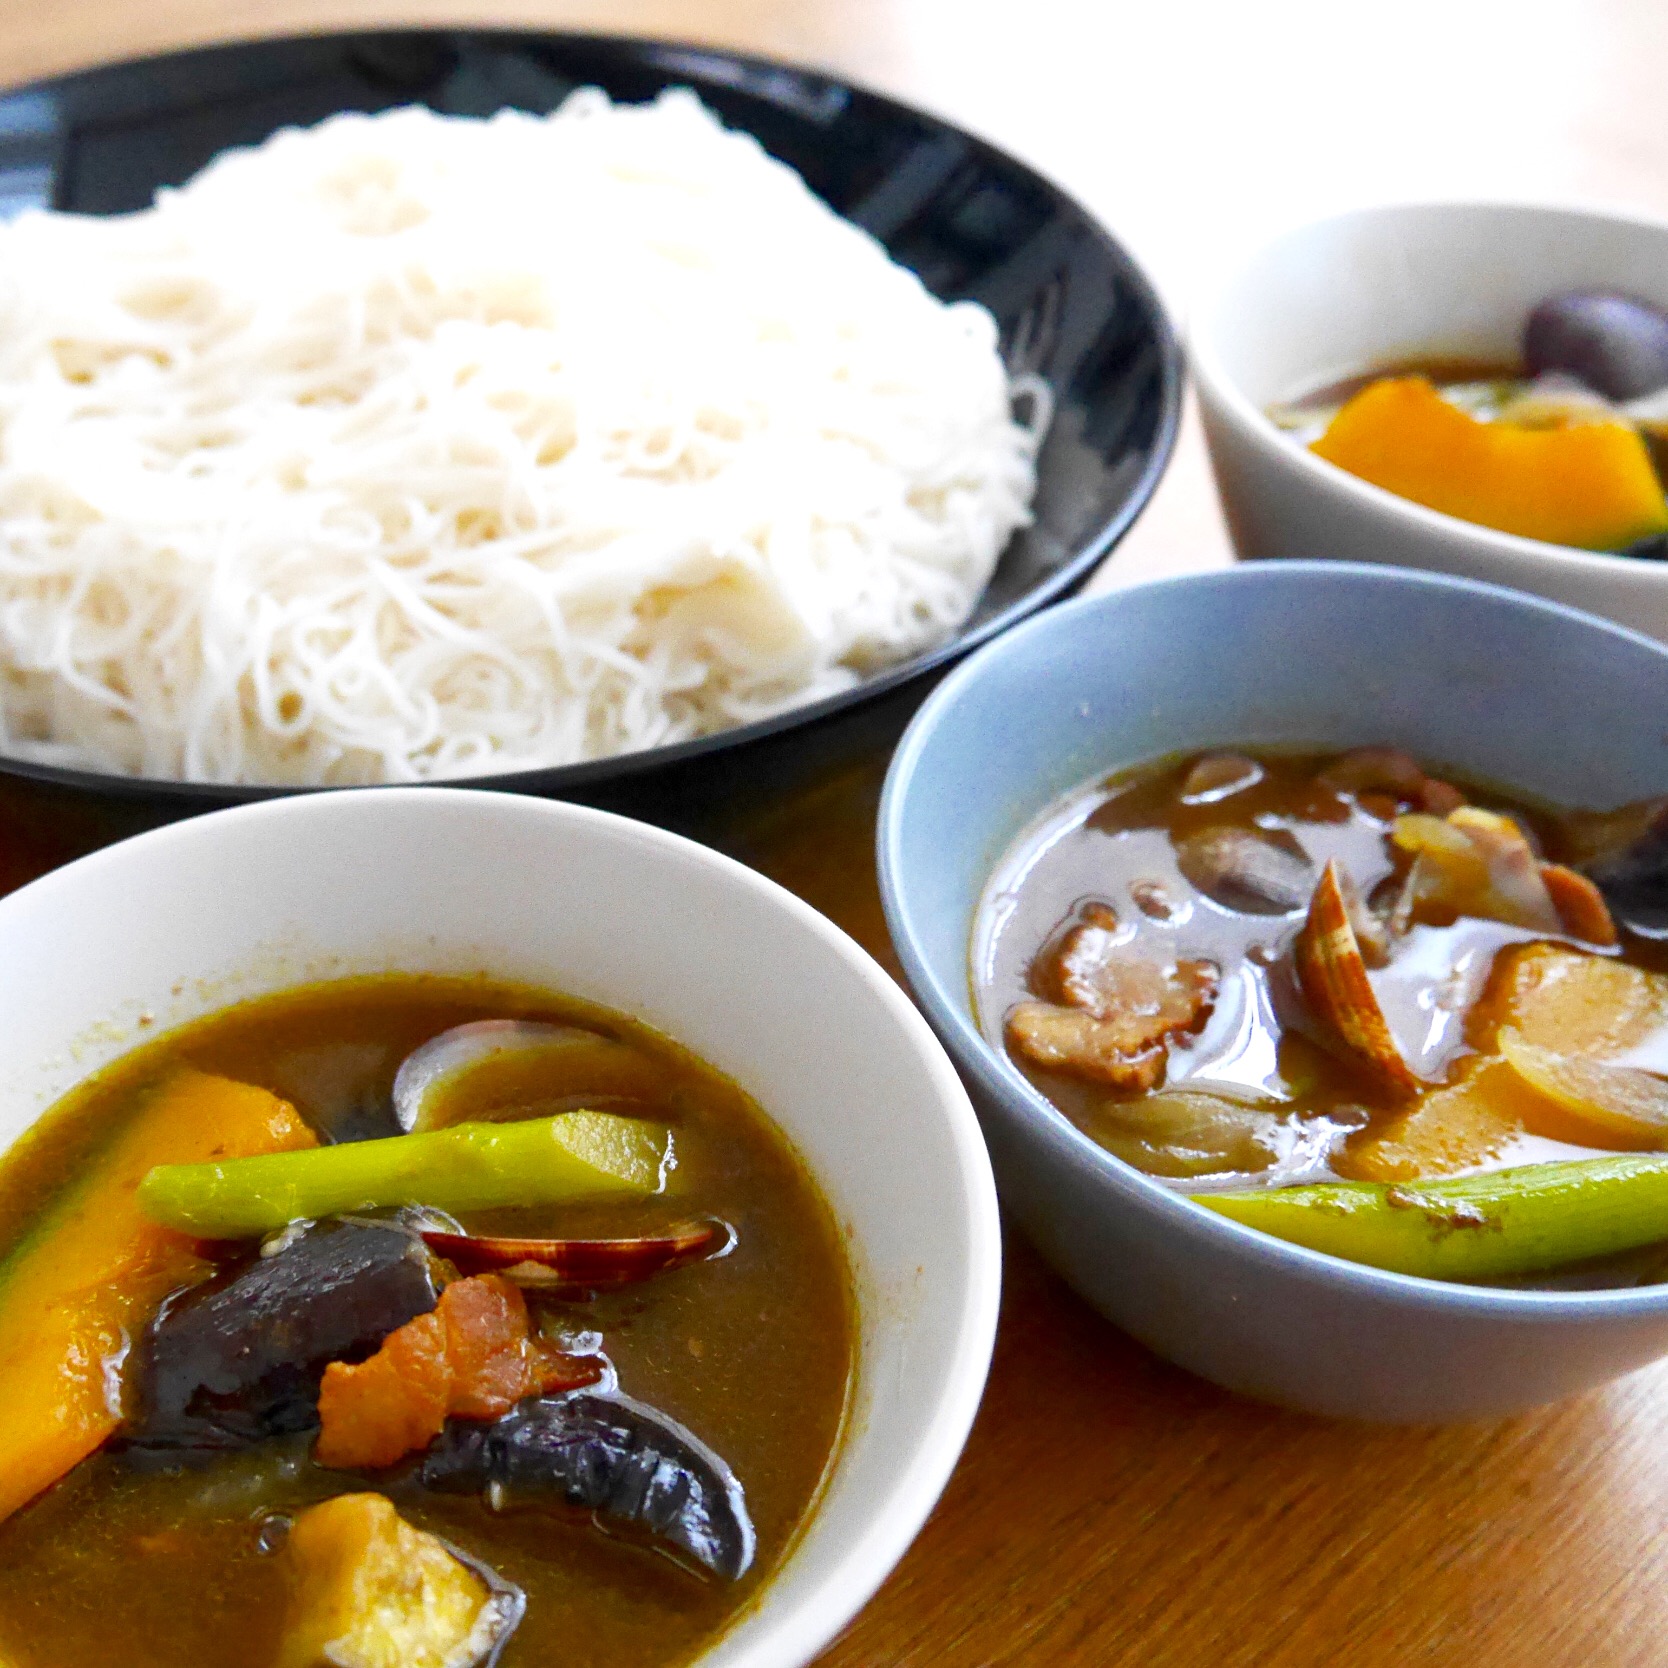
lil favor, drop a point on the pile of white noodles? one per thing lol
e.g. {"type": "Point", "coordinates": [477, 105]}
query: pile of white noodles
{"type": "Point", "coordinates": [411, 446]}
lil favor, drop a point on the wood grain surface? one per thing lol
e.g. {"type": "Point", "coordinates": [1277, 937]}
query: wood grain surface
{"type": "Point", "coordinates": [1111, 1509]}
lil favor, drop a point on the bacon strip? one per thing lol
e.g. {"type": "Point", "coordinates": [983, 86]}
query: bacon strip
{"type": "Point", "coordinates": [472, 1357]}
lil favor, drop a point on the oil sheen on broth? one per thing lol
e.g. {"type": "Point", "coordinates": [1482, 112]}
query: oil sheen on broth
{"type": "Point", "coordinates": [752, 1350]}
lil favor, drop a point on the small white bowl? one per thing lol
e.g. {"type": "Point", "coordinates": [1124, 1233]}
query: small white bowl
{"type": "Point", "coordinates": [181, 922]}
{"type": "Point", "coordinates": [1377, 285]}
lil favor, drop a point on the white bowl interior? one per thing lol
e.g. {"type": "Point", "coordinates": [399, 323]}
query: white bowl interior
{"type": "Point", "coordinates": [178, 923]}
{"type": "Point", "coordinates": [1342, 295]}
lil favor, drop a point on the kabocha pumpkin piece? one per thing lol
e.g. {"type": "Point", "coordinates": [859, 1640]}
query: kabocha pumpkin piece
{"type": "Point", "coordinates": [1590, 485]}
{"type": "Point", "coordinates": [368, 1590]}
{"type": "Point", "coordinates": [1333, 974]}
{"type": "Point", "coordinates": [472, 1357]}
{"type": "Point", "coordinates": [1469, 1122]}
{"type": "Point", "coordinates": [83, 1283]}
{"type": "Point", "coordinates": [1587, 1102]}
{"type": "Point", "coordinates": [1518, 1221]}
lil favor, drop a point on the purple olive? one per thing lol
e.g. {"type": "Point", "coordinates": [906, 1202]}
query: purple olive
{"type": "Point", "coordinates": [1616, 344]}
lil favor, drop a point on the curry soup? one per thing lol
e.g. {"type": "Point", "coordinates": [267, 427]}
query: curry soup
{"type": "Point", "coordinates": [752, 1350]}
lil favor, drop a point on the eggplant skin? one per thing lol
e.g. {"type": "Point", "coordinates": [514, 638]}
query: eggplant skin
{"type": "Point", "coordinates": [239, 1358]}
{"type": "Point", "coordinates": [617, 1457]}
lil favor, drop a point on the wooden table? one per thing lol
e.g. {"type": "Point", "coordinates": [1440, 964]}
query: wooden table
{"type": "Point", "coordinates": [1111, 1509]}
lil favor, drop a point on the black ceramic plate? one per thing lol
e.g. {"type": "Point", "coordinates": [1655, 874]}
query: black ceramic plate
{"type": "Point", "coordinates": [969, 220]}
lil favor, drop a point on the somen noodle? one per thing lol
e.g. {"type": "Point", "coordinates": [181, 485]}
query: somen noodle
{"type": "Point", "coordinates": [410, 446]}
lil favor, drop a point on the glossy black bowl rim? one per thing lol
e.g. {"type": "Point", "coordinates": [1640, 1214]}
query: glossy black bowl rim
{"type": "Point", "coordinates": [621, 768]}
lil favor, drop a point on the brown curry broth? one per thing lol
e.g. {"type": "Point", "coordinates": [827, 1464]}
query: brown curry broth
{"type": "Point", "coordinates": [754, 1352]}
{"type": "Point", "coordinates": [1098, 842]}
{"type": "Point", "coordinates": [1444, 370]}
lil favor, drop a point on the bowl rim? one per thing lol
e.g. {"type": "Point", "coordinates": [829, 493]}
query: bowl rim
{"type": "Point", "coordinates": [856, 1571]}
{"type": "Point", "coordinates": [675, 55]}
{"type": "Point", "coordinates": [999, 1078]}
{"type": "Point", "coordinates": [1220, 390]}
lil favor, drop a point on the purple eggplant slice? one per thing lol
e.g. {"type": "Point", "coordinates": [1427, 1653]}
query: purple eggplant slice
{"type": "Point", "coordinates": [238, 1359]}
{"type": "Point", "coordinates": [611, 1455]}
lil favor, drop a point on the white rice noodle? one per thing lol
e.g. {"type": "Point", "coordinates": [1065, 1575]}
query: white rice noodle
{"type": "Point", "coordinates": [410, 446]}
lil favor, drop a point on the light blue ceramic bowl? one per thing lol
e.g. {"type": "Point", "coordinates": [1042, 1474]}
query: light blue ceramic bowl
{"type": "Point", "coordinates": [1487, 682]}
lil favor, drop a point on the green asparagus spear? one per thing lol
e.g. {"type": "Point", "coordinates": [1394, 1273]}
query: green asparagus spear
{"type": "Point", "coordinates": [576, 1155]}
{"type": "Point", "coordinates": [1517, 1221]}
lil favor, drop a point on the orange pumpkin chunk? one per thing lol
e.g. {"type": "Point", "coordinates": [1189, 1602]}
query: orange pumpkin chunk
{"type": "Point", "coordinates": [1590, 485]}
{"type": "Point", "coordinates": [88, 1277]}
{"type": "Point", "coordinates": [473, 1357]}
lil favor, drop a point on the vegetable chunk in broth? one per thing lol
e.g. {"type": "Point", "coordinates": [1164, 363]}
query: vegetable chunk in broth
{"type": "Point", "coordinates": [581, 1430]}
{"type": "Point", "coordinates": [1355, 1004]}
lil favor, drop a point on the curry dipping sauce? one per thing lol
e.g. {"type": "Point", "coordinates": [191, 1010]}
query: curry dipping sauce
{"type": "Point", "coordinates": [1566, 443]}
{"type": "Point", "coordinates": [1355, 1003]}
{"type": "Point", "coordinates": [593, 1423]}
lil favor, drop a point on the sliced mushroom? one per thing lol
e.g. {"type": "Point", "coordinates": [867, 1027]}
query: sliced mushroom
{"type": "Point", "coordinates": [1084, 971]}
{"type": "Point", "coordinates": [1253, 872]}
{"type": "Point", "coordinates": [1151, 898]}
{"type": "Point", "coordinates": [1117, 1012]}
{"type": "Point", "coordinates": [1333, 975]}
{"type": "Point", "coordinates": [1071, 1041]}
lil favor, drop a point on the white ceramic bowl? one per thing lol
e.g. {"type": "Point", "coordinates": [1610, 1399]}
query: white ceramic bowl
{"type": "Point", "coordinates": [1379, 284]}
{"type": "Point", "coordinates": [182, 921]}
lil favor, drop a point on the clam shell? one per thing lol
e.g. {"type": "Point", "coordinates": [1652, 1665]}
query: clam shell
{"type": "Point", "coordinates": [583, 1264]}
{"type": "Point", "coordinates": [1333, 976]}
